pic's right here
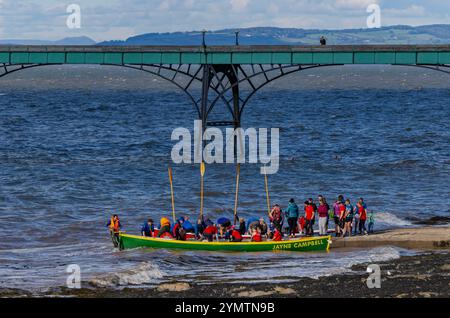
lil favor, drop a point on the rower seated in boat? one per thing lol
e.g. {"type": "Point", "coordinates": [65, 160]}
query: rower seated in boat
{"type": "Point", "coordinates": [164, 229]}
{"type": "Point", "coordinates": [178, 232]}
{"type": "Point", "coordinates": [187, 225]}
{"type": "Point", "coordinates": [262, 226]}
{"type": "Point", "coordinates": [256, 235]}
{"type": "Point", "coordinates": [277, 236]}
{"type": "Point", "coordinates": [233, 235]}
{"type": "Point", "coordinates": [148, 228]}
{"type": "Point", "coordinates": [210, 233]}
{"type": "Point", "coordinates": [224, 224]}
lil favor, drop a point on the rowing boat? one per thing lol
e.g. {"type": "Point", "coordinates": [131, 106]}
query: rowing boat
{"type": "Point", "coordinates": [298, 245]}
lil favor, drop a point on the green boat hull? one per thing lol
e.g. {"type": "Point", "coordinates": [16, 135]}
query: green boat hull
{"type": "Point", "coordinates": [298, 245]}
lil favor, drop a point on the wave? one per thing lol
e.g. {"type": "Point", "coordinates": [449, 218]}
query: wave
{"type": "Point", "coordinates": [390, 219]}
{"type": "Point", "coordinates": [144, 274]}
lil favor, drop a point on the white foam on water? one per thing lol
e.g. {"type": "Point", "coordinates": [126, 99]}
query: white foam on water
{"type": "Point", "coordinates": [144, 274]}
{"type": "Point", "coordinates": [263, 267]}
{"type": "Point", "coordinates": [391, 220]}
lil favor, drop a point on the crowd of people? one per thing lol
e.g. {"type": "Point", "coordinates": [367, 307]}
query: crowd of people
{"type": "Point", "coordinates": [348, 220]}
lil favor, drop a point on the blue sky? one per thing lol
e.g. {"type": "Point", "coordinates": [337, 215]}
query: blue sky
{"type": "Point", "coordinates": [114, 19]}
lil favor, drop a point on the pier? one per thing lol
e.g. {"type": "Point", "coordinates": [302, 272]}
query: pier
{"type": "Point", "coordinates": [226, 75]}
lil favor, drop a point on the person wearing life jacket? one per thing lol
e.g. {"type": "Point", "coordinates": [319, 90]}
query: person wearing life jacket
{"type": "Point", "coordinates": [362, 211]}
{"type": "Point", "coordinates": [256, 235]}
{"type": "Point", "coordinates": [178, 232]}
{"type": "Point", "coordinates": [277, 236]}
{"type": "Point", "coordinates": [301, 224]}
{"type": "Point", "coordinates": [233, 235]}
{"type": "Point", "coordinates": [211, 232]}
{"type": "Point", "coordinates": [337, 214]}
{"type": "Point", "coordinates": [148, 228]}
{"type": "Point", "coordinates": [114, 227]}
{"type": "Point", "coordinates": [164, 229]}
{"type": "Point", "coordinates": [276, 217]}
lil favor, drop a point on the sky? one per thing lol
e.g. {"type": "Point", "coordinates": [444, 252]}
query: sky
{"type": "Point", "coordinates": [117, 20]}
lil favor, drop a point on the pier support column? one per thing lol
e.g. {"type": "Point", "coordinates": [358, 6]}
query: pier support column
{"type": "Point", "coordinates": [220, 78]}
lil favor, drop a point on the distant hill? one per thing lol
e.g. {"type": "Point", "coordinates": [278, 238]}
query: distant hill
{"type": "Point", "coordinates": [81, 40]}
{"type": "Point", "coordinates": [428, 34]}
{"type": "Point", "coordinates": [399, 34]}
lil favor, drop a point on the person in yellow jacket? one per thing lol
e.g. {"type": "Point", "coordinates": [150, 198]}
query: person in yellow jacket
{"type": "Point", "coordinates": [164, 228]}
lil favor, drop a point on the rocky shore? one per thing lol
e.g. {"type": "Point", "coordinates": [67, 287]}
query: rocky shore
{"type": "Point", "coordinates": [424, 275]}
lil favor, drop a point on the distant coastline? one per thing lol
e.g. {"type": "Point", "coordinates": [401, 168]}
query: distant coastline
{"type": "Point", "coordinates": [397, 34]}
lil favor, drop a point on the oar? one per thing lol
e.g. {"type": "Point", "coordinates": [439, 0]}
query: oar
{"type": "Point", "coordinates": [202, 173]}
{"type": "Point", "coordinates": [171, 193]}
{"type": "Point", "coordinates": [267, 190]}
{"type": "Point", "coordinates": [238, 171]}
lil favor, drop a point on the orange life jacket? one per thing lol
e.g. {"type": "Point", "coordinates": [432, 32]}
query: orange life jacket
{"type": "Point", "coordinates": [114, 225]}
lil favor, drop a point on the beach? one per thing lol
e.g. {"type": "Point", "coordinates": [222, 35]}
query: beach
{"type": "Point", "coordinates": [426, 274]}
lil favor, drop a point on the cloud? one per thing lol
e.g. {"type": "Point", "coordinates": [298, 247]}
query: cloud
{"type": "Point", "coordinates": [239, 5]}
{"type": "Point", "coordinates": [118, 19]}
{"type": "Point", "coordinates": [354, 4]}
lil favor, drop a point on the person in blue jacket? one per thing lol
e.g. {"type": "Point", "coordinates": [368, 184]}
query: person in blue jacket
{"type": "Point", "coordinates": [292, 214]}
{"type": "Point", "coordinates": [187, 225]}
{"type": "Point", "coordinates": [148, 228]}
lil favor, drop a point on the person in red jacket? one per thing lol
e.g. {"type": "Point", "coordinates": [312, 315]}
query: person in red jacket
{"type": "Point", "coordinates": [210, 233]}
{"type": "Point", "coordinates": [309, 216]}
{"type": "Point", "coordinates": [256, 236]}
{"type": "Point", "coordinates": [362, 210]}
{"type": "Point", "coordinates": [233, 235]}
{"type": "Point", "coordinates": [277, 235]}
